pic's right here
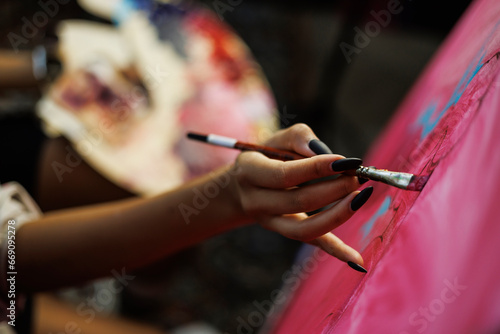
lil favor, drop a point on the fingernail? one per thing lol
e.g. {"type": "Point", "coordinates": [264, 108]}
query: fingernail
{"type": "Point", "coordinates": [362, 180]}
{"type": "Point", "coordinates": [318, 147]}
{"type": "Point", "coordinates": [346, 164]}
{"type": "Point", "coordinates": [357, 267]}
{"type": "Point", "coordinates": [361, 198]}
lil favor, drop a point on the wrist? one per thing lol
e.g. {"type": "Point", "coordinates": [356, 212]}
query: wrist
{"type": "Point", "coordinates": [235, 194]}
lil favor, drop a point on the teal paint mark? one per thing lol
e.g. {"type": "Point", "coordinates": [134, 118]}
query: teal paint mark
{"type": "Point", "coordinates": [384, 207]}
{"type": "Point", "coordinates": [427, 120]}
{"type": "Point", "coordinates": [462, 85]}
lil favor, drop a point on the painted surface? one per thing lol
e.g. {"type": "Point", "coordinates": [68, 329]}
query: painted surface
{"type": "Point", "coordinates": [431, 256]}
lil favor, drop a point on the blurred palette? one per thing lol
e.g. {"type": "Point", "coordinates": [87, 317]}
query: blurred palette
{"type": "Point", "coordinates": [128, 94]}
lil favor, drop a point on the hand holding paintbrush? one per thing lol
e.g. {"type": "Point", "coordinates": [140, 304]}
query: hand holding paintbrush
{"type": "Point", "coordinates": [347, 166]}
{"type": "Point", "coordinates": [400, 180]}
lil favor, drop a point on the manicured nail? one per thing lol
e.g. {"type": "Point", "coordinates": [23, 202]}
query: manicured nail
{"type": "Point", "coordinates": [361, 198]}
{"type": "Point", "coordinates": [346, 164]}
{"type": "Point", "coordinates": [362, 180]}
{"type": "Point", "coordinates": [357, 267]}
{"type": "Point", "coordinates": [318, 147]}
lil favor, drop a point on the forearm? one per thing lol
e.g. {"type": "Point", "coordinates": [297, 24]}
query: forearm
{"type": "Point", "coordinates": [70, 247]}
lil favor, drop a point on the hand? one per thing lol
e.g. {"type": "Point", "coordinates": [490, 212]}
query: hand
{"type": "Point", "coordinates": [271, 192]}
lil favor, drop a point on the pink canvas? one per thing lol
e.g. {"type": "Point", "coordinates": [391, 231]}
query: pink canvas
{"type": "Point", "coordinates": [430, 255]}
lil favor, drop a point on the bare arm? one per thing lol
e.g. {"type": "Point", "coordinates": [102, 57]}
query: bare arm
{"type": "Point", "coordinates": [72, 246]}
{"type": "Point", "coordinates": [16, 69]}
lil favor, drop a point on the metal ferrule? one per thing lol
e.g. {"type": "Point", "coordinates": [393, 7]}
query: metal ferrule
{"type": "Point", "coordinates": [396, 179]}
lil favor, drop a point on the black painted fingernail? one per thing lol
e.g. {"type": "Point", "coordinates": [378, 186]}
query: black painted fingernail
{"type": "Point", "coordinates": [362, 180]}
{"type": "Point", "coordinates": [357, 267]}
{"type": "Point", "coordinates": [361, 198]}
{"type": "Point", "coordinates": [318, 147]}
{"type": "Point", "coordinates": [346, 164]}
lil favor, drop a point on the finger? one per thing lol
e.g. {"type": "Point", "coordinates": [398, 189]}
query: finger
{"type": "Point", "coordinates": [320, 223]}
{"type": "Point", "coordinates": [334, 246]}
{"type": "Point", "coordinates": [269, 173]}
{"type": "Point", "coordinates": [300, 199]}
{"type": "Point", "coordinates": [297, 138]}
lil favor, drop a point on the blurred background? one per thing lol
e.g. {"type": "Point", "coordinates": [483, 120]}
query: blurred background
{"type": "Point", "coordinates": [301, 46]}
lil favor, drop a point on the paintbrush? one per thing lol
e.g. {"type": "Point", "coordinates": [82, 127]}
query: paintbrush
{"type": "Point", "coordinates": [400, 180]}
